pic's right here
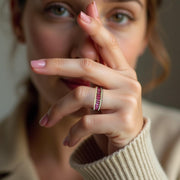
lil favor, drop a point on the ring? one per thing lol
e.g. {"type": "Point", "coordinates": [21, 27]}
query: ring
{"type": "Point", "coordinates": [98, 98]}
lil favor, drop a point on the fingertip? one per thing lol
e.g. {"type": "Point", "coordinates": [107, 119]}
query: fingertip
{"type": "Point", "coordinates": [38, 63]}
{"type": "Point", "coordinates": [92, 10]}
{"type": "Point", "coordinates": [95, 10]}
{"type": "Point", "coordinates": [44, 120]}
{"type": "Point", "coordinates": [50, 124]}
{"type": "Point", "coordinates": [85, 18]}
{"type": "Point", "coordinates": [52, 120]}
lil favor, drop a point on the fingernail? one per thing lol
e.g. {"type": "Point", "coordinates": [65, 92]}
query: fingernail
{"type": "Point", "coordinates": [44, 120]}
{"type": "Point", "coordinates": [66, 141]}
{"type": "Point", "coordinates": [38, 63]}
{"type": "Point", "coordinates": [85, 18]}
{"type": "Point", "coordinates": [95, 9]}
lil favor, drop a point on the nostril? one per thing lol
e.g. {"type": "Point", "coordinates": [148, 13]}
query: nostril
{"type": "Point", "coordinates": [84, 48]}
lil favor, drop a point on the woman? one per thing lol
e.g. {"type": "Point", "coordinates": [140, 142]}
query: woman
{"type": "Point", "coordinates": [83, 88]}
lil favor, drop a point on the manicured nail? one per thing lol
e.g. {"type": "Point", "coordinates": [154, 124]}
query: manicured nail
{"type": "Point", "coordinates": [66, 141]}
{"type": "Point", "coordinates": [44, 120]}
{"type": "Point", "coordinates": [95, 9]}
{"type": "Point", "coordinates": [38, 63]}
{"type": "Point", "coordinates": [85, 18]}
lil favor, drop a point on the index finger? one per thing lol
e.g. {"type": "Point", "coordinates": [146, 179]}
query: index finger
{"type": "Point", "coordinates": [108, 45]}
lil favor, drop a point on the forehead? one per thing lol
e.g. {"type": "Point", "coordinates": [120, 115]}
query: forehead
{"type": "Point", "coordinates": [82, 4]}
{"type": "Point", "coordinates": [140, 2]}
{"type": "Point", "coordinates": [89, 1]}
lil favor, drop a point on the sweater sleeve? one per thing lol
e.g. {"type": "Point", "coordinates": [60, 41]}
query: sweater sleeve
{"type": "Point", "coordinates": [136, 161]}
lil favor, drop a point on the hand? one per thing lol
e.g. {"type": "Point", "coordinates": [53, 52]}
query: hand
{"type": "Point", "coordinates": [121, 117]}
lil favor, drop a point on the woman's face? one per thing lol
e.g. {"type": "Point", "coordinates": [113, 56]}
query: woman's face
{"type": "Point", "coordinates": [51, 31]}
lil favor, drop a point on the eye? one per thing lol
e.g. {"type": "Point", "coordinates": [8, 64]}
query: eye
{"type": "Point", "coordinates": [58, 10]}
{"type": "Point", "coordinates": [121, 18]}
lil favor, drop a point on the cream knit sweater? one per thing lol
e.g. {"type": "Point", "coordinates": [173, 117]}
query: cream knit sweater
{"type": "Point", "coordinates": [137, 161]}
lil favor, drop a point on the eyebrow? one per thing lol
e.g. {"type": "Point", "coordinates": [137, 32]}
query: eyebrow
{"type": "Point", "coordinates": [138, 1]}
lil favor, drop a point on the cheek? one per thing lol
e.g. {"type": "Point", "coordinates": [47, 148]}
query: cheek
{"type": "Point", "coordinates": [131, 50]}
{"type": "Point", "coordinates": [47, 42]}
{"type": "Point", "coordinates": [132, 41]}
{"type": "Point", "coordinates": [50, 88]}
{"type": "Point", "coordinates": [132, 46]}
{"type": "Point", "coordinates": [44, 41]}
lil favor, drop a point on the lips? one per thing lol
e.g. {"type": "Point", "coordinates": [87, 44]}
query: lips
{"type": "Point", "coordinates": [74, 83]}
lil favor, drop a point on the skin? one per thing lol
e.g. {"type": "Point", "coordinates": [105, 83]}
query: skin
{"type": "Point", "coordinates": [92, 47]}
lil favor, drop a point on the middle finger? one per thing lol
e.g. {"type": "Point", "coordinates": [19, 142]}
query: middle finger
{"type": "Point", "coordinates": [82, 97]}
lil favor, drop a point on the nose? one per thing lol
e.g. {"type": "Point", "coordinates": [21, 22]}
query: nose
{"type": "Point", "coordinates": [84, 47]}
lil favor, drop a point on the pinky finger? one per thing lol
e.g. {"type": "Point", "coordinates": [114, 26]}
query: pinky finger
{"type": "Point", "coordinates": [89, 124]}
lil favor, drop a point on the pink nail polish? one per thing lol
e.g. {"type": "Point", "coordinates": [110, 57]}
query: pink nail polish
{"type": "Point", "coordinates": [38, 63]}
{"type": "Point", "coordinates": [95, 9]}
{"type": "Point", "coordinates": [44, 120]}
{"type": "Point", "coordinates": [85, 18]}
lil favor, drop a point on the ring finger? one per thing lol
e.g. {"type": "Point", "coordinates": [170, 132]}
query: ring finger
{"type": "Point", "coordinates": [82, 96]}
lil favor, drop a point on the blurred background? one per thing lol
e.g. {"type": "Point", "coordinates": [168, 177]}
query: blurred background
{"type": "Point", "coordinates": [168, 93]}
{"type": "Point", "coordinates": [14, 68]}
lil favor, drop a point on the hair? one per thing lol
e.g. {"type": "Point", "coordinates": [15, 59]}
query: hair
{"type": "Point", "coordinates": [155, 45]}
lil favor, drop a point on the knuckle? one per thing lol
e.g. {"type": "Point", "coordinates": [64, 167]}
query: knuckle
{"type": "Point", "coordinates": [136, 86]}
{"type": "Point", "coordinates": [131, 101]}
{"type": "Point", "coordinates": [86, 64]}
{"type": "Point", "coordinates": [126, 117]}
{"type": "Point", "coordinates": [80, 93]}
{"type": "Point", "coordinates": [87, 123]}
{"type": "Point", "coordinates": [128, 122]}
{"type": "Point", "coordinates": [133, 74]}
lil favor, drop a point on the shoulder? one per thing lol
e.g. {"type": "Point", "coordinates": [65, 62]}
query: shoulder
{"type": "Point", "coordinates": [165, 134]}
{"type": "Point", "coordinates": [165, 124]}
{"type": "Point", "coordinates": [165, 120]}
{"type": "Point", "coordinates": [159, 114]}
{"type": "Point", "coordinates": [165, 128]}
{"type": "Point", "coordinates": [15, 162]}
{"type": "Point", "coordinates": [155, 109]}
